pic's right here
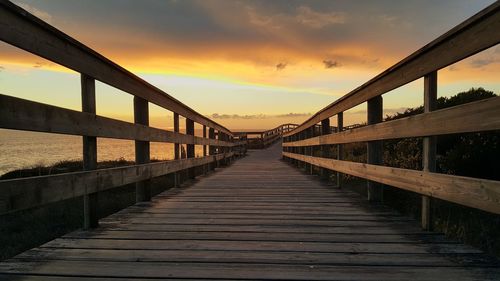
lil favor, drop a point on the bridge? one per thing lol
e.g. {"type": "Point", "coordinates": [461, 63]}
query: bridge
{"type": "Point", "coordinates": [266, 213]}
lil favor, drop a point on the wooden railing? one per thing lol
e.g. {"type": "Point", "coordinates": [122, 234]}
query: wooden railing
{"type": "Point", "coordinates": [23, 30]}
{"type": "Point", "coordinates": [472, 36]}
{"type": "Point", "coordinates": [263, 139]}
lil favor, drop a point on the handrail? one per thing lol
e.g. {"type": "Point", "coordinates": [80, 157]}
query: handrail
{"type": "Point", "coordinates": [466, 39]}
{"type": "Point", "coordinates": [265, 138]}
{"type": "Point", "coordinates": [23, 30]}
{"type": "Point", "coordinates": [308, 148]}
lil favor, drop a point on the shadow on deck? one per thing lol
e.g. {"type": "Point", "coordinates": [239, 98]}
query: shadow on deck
{"type": "Point", "coordinates": [257, 219]}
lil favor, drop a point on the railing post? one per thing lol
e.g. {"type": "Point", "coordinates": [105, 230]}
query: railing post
{"type": "Point", "coordinates": [311, 130]}
{"type": "Point", "coordinates": [340, 147]}
{"type": "Point", "coordinates": [325, 130]}
{"type": "Point", "coordinates": [190, 147]}
{"type": "Point", "coordinates": [90, 201]}
{"type": "Point", "coordinates": [375, 149]}
{"type": "Point", "coordinates": [429, 144]}
{"type": "Point", "coordinates": [211, 148]}
{"type": "Point", "coordinates": [205, 168]}
{"type": "Point", "coordinates": [177, 152]}
{"type": "Point", "coordinates": [141, 116]}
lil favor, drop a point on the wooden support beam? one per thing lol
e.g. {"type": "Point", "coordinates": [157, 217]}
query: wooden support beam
{"type": "Point", "coordinates": [325, 130]}
{"type": "Point", "coordinates": [177, 150]}
{"type": "Point", "coordinates": [205, 168]}
{"type": "Point", "coordinates": [311, 133]}
{"type": "Point", "coordinates": [375, 148]}
{"type": "Point", "coordinates": [429, 145]}
{"type": "Point", "coordinates": [340, 147]}
{"type": "Point", "coordinates": [90, 200]}
{"type": "Point", "coordinates": [142, 149]}
{"type": "Point", "coordinates": [211, 148]}
{"type": "Point", "coordinates": [190, 147]}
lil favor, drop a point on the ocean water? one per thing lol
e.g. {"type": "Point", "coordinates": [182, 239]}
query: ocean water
{"type": "Point", "coordinates": [21, 149]}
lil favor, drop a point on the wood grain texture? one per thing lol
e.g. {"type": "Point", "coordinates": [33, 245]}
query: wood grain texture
{"type": "Point", "coordinates": [258, 219]}
{"type": "Point", "coordinates": [20, 114]}
{"type": "Point", "coordinates": [18, 194]}
{"type": "Point", "coordinates": [476, 193]}
{"type": "Point", "coordinates": [476, 116]}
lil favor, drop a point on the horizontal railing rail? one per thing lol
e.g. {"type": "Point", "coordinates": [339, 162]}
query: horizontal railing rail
{"type": "Point", "coordinates": [25, 31]}
{"type": "Point", "coordinates": [307, 146]}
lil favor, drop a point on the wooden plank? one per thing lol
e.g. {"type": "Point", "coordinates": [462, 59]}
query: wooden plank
{"type": "Point", "coordinates": [264, 257]}
{"type": "Point", "coordinates": [218, 229]}
{"type": "Point", "coordinates": [215, 245]}
{"type": "Point", "coordinates": [476, 193]}
{"type": "Point", "coordinates": [475, 116]}
{"type": "Point", "coordinates": [20, 114]}
{"type": "Point", "coordinates": [262, 236]}
{"type": "Point", "coordinates": [90, 201]}
{"type": "Point", "coordinates": [18, 194]}
{"type": "Point", "coordinates": [475, 34]}
{"type": "Point", "coordinates": [247, 271]}
{"type": "Point", "coordinates": [23, 30]}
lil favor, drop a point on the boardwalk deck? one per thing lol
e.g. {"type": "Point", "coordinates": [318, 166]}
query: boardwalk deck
{"type": "Point", "coordinates": [258, 219]}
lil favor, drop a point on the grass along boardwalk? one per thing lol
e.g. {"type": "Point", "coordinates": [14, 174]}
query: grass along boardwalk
{"type": "Point", "coordinates": [259, 218]}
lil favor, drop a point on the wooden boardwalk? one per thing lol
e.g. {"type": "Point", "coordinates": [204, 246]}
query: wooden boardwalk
{"type": "Point", "coordinates": [258, 219]}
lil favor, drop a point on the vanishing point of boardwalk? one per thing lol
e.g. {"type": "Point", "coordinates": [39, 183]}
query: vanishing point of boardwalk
{"type": "Point", "coordinates": [257, 219]}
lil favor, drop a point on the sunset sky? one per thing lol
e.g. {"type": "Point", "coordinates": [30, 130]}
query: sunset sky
{"type": "Point", "coordinates": [246, 64]}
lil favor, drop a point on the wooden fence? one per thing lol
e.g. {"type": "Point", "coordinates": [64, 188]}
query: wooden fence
{"type": "Point", "coordinates": [263, 139]}
{"type": "Point", "coordinates": [23, 30]}
{"type": "Point", "coordinates": [472, 36]}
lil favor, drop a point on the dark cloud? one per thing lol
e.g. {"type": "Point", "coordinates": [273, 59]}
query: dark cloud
{"type": "Point", "coordinates": [281, 66]}
{"type": "Point", "coordinates": [331, 63]}
{"type": "Point", "coordinates": [478, 63]}
{"type": "Point", "coordinates": [222, 29]}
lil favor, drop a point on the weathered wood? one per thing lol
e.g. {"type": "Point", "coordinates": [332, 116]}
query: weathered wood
{"type": "Point", "coordinates": [18, 194]}
{"type": "Point", "coordinates": [177, 150]}
{"type": "Point", "coordinates": [20, 114]}
{"type": "Point", "coordinates": [211, 148]}
{"type": "Point", "coordinates": [340, 147]}
{"type": "Point", "coordinates": [90, 201]}
{"type": "Point", "coordinates": [475, 116]}
{"type": "Point", "coordinates": [142, 149]}
{"type": "Point", "coordinates": [325, 130]}
{"type": "Point", "coordinates": [476, 193]}
{"type": "Point", "coordinates": [27, 32]}
{"type": "Point", "coordinates": [260, 219]}
{"type": "Point", "coordinates": [429, 145]}
{"type": "Point", "coordinates": [190, 147]}
{"type": "Point", "coordinates": [375, 150]}
{"type": "Point", "coordinates": [466, 39]}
